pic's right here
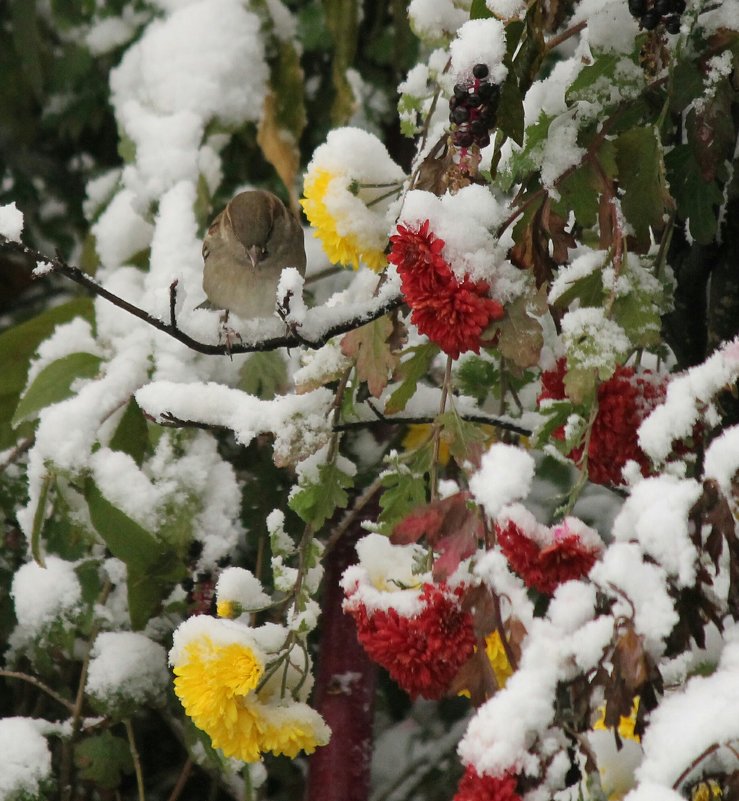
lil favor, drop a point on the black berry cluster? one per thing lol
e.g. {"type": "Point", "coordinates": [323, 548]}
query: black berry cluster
{"type": "Point", "coordinates": [651, 13]}
{"type": "Point", "coordinates": [473, 108]}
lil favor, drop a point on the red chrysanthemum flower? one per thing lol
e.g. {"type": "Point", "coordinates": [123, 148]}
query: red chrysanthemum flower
{"type": "Point", "coordinates": [623, 402]}
{"type": "Point", "coordinates": [450, 312]}
{"type": "Point", "coordinates": [565, 558]}
{"type": "Point", "coordinates": [421, 653]}
{"type": "Point", "coordinates": [474, 787]}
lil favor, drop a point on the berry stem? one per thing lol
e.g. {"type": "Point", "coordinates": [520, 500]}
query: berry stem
{"type": "Point", "coordinates": [433, 475]}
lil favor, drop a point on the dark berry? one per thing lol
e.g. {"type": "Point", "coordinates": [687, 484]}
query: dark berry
{"type": "Point", "coordinates": [672, 24]}
{"type": "Point", "coordinates": [487, 114]}
{"type": "Point", "coordinates": [460, 91]}
{"type": "Point", "coordinates": [478, 128]}
{"type": "Point", "coordinates": [474, 100]}
{"type": "Point", "coordinates": [650, 20]}
{"type": "Point", "coordinates": [663, 7]}
{"type": "Point", "coordinates": [483, 141]}
{"type": "Point", "coordinates": [637, 7]}
{"type": "Point", "coordinates": [678, 6]}
{"type": "Point", "coordinates": [488, 91]}
{"type": "Point", "coordinates": [480, 71]}
{"type": "Point", "coordinates": [460, 114]}
{"type": "Point", "coordinates": [453, 102]}
{"type": "Point", "coordinates": [463, 139]}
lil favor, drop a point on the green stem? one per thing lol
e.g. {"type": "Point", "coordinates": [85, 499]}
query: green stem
{"type": "Point", "coordinates": [136, 759]}
{"type": "Point", "coordinates": [433, 474]}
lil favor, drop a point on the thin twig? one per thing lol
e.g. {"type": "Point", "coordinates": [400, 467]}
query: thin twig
{"type": "Point", "coordinates": [136, 759]}
{"type": "Point", "coordinates": [445, 387]}
{"type": "Point", "coordinates": [65, 782]}
{"type": "Point", "coordinates": [12, 674]}
{"type": "Point", "coordinates": [694, 764]}
{"type": "Point", "coordinates": [168, 419]}
{"type": "Point", "coordinates": [353, 513]}
{"type": "Point", "coordinates": [181, 780]}
{"type": "Point", "coordinates": [291, 340]}
{"type": "Point", "coordinates": [557, 40]}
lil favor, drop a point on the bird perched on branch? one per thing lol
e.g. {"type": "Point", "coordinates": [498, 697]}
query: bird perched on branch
{"type": "Point", "coordinates": [245, 250]}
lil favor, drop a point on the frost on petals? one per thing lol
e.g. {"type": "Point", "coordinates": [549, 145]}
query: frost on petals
{"type": "Point", "coordinates": [452, 313]}
{"type": "Point", "coordinates": [547, 557]}
{"type": "Point", "coordinates": [476, 787]}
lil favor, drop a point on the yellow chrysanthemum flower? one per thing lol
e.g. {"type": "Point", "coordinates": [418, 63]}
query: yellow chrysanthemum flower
{"type": "Point", "coordinates": [227, 609]}
{"type": "Point", "coordinates": [290, 730]}
{"type": "Point", "coordinates": [342, 245]}
{"type": "Point", "coordinates": [212, 675]}
{"type": "Point", "coordinates": [496, 655]}
{"type": "Point", "coordinates": [626, 725]}
{"type": "Point", "coordinates": [709, 790]}
{"type": "Point", "coordinates": [217, 673]}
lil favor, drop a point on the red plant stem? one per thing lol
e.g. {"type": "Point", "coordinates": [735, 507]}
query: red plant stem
{"type": "Point", "coordinates": [344, 692]}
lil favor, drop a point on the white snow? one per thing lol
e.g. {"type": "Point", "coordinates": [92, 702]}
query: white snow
{"type": "Point", "coordinates": [505, 476]}
{"type": "Point", "coordinates": [11, 222]}
{"type": "Point", "coordinates": [126, 665]}
{"type": "Point", "coordinates": [42, 595]}
{"type": "Point", "coordinates": [479, 41]}
{"type": "Point", "coordinates": [26, 759]}
{"type": "Point", "coordinates": [241, 586]}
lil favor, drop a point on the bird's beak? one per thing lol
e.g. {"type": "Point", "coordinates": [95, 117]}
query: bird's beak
{"type": "Point", "coordinates": [255, 255]}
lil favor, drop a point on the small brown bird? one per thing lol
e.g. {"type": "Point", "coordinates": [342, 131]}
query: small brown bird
{"type": "Point", "coordinates": [245, 250]}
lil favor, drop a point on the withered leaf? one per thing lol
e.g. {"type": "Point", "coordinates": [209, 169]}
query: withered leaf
{"type": "Point", "coordinates": [450, 527]}
{"type": "Point", "coordinates": [520, 333]}
{"type": "Point", "coordinates": [630, 660]}
{"type": "Point", "coordinates": [476, 676]}
{"type": "Point", "coordinates": [375, 357]}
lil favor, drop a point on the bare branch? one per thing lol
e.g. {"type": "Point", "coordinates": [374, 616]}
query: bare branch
{"type": "Point", "coordinates": [290, 340]}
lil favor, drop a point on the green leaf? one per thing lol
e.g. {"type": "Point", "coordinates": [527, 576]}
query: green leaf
{"type": "Point", "coordinates": [579, 194]}
{"type": "Point", "coordinates": [132, 434]}
{"type": "Point", "coordinates": [19, 343]}
{"type": "Point", "coordinates": [601, 71]}
{"type": "Point", "coordinates": [126, 539]}
{"type": "Point", "coordinates": [103, 759]}
{"type": "Point", "coordinates": [464, 439]}
{"type": "Point", "coordinates": [524, 161]}
{"type": "Point", "coordinates": [24, 16]}
{"type": "Point", "coordinates": [316, 503]}
{"type": "Point", "coordinates": [410, 372]}
{"type": "Point", "coordinates": [342, 21]}
{"type": "Point", "coordinates": [479, 10]}
{"type": "Point", "coordinates": [510, 110]}
{"type": "Point", "coordinates": [145, 594]}
{"type": "Point", "coordinates": [404, 487]}
{"type": "Point", "coordinates": [54, 384]}
{"type": "Point", "coordinates": [555, 416]}
{"type": "Point", "coordinates": [264, 375]}
{"type": "Point", "coordinates": [641, 179]}
{"type": "Point", "coordinates": [588, 290]}
{"type": "Point", "coordinates": [697, 200]}
{"type": "Point", "coordinates": [476, 377]}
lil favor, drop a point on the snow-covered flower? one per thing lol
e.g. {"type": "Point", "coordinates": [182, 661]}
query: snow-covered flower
{"type": "Point", "coordinates": [547, 557]}
{"type": "Point", "coordinates": [220, 667]}
{"type": "Point", "coordinates": [423, 652]}
{"type": "Point", "coordinates": [451, 312]}
{"type": "Point", "coordinates": [624, 400]}
{"type": "Point", "coordinates": [477, 787]}
{"type": "Point", "coordinates": [347, 191]}
{"type": "Point", "coordinates": [415, 629]}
